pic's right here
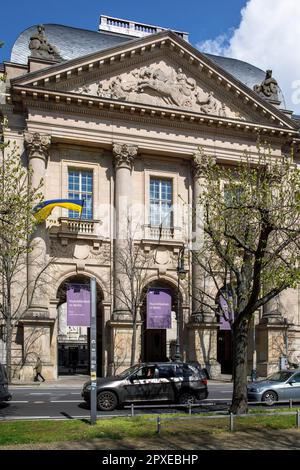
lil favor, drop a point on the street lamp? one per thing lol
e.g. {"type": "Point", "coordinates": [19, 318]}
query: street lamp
{"type": "Point", "coordinates": [181, 273]}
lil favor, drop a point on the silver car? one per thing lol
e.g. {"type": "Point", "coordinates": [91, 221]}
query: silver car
{"type": "Point", "coordinates": [282, 385]}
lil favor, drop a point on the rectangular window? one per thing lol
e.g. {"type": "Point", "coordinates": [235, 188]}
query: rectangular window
{"type": "Point", "coordinates": [161, 202]}
{"type": "Point", "coordinates": [80, 186]}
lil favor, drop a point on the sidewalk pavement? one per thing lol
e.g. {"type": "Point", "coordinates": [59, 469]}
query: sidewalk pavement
{"type": "Point", "coordinates": [63, 381]}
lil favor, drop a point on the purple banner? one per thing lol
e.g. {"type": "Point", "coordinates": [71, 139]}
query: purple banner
{"type": "Point", "coordinates": [159, 309]}
{"type": "Point", "coordinates": [226, 315]}
{"type": "Point", "coordinates": [78, 305]}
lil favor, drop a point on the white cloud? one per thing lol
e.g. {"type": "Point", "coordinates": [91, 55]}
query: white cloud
{"type": "Point", "coordinates": [269, 37]}
{"type": "Point", "coordinates": [217, 46]}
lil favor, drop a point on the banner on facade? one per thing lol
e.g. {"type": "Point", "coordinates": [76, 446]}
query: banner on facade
{"type": "Point", "coordinates": [226, 314]}
{"type": "Point", "coordinates": [78, 305]}
{"type": "Point", "coordinates": [159, 305]}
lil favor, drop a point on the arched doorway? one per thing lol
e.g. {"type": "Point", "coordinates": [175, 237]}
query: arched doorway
{"type": "Point", "coordinates": [73, 342]}
{"type": "Point", "coordinates": [159, 344]}
{"type": "Point", "coordinates": [224, 336]}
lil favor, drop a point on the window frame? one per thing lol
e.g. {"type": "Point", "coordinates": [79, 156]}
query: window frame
{"type": "Point", "coordinates": [73, 214]}
{"type": "Point", "coordinates": [161, 201]}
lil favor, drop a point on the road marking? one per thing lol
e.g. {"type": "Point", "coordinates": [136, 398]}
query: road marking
{"type": "Point", "coordinates": [44, 393]}
{"type": "Point", "coordinates": [65, 401]}
{"type": "Point", "coordinates": [18, 401]}
{"type": "Point", "coordinates": [38, 402]}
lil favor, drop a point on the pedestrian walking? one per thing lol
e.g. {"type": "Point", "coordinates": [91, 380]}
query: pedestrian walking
{"type": "Point", "coordinates": [38, 369]}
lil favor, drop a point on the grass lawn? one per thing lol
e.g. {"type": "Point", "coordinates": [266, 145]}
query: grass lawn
{"type": "Point", "coordinates": [30, 432]}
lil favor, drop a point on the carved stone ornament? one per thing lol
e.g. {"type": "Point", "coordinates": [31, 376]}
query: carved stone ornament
{"type": "Point", "coordinates": [41, 48]}
{"type": "Point", "coordinates": [200, 162]}
{"type": "Point", "coordinates": [124, 155]}
{"type": "Point", "coordinates": [159, 85]}
{"type": "Point", "coordinates": [37, 144]}
{"type": "Point", "coordinates": [268, 89]}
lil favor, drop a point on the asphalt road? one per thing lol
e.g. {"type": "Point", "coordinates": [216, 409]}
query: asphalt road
{"type": "Point", "coordinates": [67, 403]}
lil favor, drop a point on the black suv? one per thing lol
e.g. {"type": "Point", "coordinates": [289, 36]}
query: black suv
{"type": "Point", "coordinates": [4, 393]}
{"type": "Point", "coordinates": [161, 382]}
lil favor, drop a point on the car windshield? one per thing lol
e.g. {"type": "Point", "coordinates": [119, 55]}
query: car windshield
{"type": "Point", "coordinates": [281, 376]}
{"type": "Point", "coordinates": [126, 373]}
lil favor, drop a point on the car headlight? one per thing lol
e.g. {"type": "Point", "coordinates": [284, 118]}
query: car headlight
{"type": "Point", "coordinates": [258, 389]}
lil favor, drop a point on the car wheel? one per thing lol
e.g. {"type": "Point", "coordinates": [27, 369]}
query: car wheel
{"type": "Point", "coordinates": [269, 397]}
{"type": "Point", "coordinates": [106, 401]}
{"type": "Point", "coordinates": [187, 398]}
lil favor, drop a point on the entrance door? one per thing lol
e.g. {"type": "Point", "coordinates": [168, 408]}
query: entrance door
{"type": "Point", "coordinates": [224, 351]}
{"type": "Point", "coordinates": [155, 345]}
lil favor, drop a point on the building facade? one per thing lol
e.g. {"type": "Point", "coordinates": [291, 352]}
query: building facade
{"type": "Point", "coordinates": [116, 117]}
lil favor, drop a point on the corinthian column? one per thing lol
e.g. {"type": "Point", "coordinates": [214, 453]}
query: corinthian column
{"type": "Point", "coordinates": [200, 280]}
{"type": "Point", "coordinates": [124, 156]}
{"type": "Point", "coordinates": [37, 148]}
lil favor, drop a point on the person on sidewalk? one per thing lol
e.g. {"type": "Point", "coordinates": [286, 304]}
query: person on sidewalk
{"type": "Point", "coordinates": [38, 369]}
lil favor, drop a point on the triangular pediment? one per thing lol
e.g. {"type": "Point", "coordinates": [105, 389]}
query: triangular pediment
{"type": "Point", "coordinates": [161, 71]}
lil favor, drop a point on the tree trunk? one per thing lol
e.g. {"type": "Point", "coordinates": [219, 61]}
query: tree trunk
{"type": "Point", "coordinates": [133, 343]}
{"type": "Point", "coordinates": [239, 403]}
{"type": "Point", "coordinates": [8, 352]}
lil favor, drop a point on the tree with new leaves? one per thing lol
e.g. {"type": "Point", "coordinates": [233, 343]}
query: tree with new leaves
{"type": "Point", "coordinates": [251, 223]}
{"type": "Point", "coordinates": [17, 224]}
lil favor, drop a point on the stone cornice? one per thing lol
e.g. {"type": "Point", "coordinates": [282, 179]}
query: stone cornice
{"type": "Point", "coordinates": [124, 155]}
{"type": "Point", "coordinates": [93, 105]}
{"type": "Point", "coordinates": [37, 145]}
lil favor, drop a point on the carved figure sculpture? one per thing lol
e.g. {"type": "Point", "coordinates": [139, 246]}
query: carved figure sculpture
{"type": "Point", "coordinates": [155, 85]}
{"type": "Point", "coordinates": [268, 88]}
{"type": "Point", "coordinates": [40, 47]}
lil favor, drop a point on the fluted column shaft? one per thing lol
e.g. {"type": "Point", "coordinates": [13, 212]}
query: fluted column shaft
{"type": "Point", "coordinates": [37, 147]}
{"type": "Point", "coordinates": [123, 161]}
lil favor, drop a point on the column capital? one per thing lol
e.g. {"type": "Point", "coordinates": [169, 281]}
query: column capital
{"type": "Point", "coordinates": [200, 161]}
{"type": "Point", "coordinates": [124, 155]}
{"type": "Point", "coordinates": [37, 144]}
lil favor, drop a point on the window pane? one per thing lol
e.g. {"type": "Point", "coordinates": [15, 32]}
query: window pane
{"type": "Point", "coordinates": [80, 185]}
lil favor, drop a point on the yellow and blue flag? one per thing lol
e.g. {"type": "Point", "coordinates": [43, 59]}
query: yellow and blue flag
{"type": "Point", "coordinates": [44, 209]}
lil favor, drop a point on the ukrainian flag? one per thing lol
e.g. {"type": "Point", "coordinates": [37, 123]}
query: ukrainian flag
{"type": "Point", "coordinates": [43, 210]}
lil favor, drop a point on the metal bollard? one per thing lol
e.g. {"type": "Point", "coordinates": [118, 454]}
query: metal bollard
{"type": "Point", "coordinates": [231, 427]}
{"type": "Point", "coordinates": [291, 404]}
{"type": "Point", "coordinates": [158, 425]}
{"type": "Point", "coordinates": [190, 409]}
{"type": "Point", "coordinates": [132, 410]}
{"type": "Point", "coordinates": [298, 419]}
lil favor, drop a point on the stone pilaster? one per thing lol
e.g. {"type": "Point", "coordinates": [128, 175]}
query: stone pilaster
{"type": "Point", "coordinates": [37, 147]}
{"type": "Point", "coordinates": [124, 156]}
{"type": "Point", "coordinates": [199, 279]}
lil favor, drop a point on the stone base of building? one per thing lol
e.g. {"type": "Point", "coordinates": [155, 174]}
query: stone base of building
{"type": "Point", "coordinates": [270, 344]}
{"type": "Point", "coordinates": [202, 339]}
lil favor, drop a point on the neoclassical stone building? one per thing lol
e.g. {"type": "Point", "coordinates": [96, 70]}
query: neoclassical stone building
{"type": "Point", "coordinates": [116, 117]}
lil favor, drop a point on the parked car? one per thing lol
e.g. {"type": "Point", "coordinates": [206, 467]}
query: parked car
{"type": "Point", "coordinates": [4, 393]}
{"type": "Point", "coordinates": [150, 382]}
{"type": "Point", "coordinates": [282, 385]}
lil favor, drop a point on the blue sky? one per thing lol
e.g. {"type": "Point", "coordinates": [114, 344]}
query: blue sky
{"type": "Point", "coordinates": [202, 18]}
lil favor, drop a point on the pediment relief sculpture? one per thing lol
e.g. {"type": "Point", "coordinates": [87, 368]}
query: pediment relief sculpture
{"type": "Point", "coordinates": [159, 85]}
